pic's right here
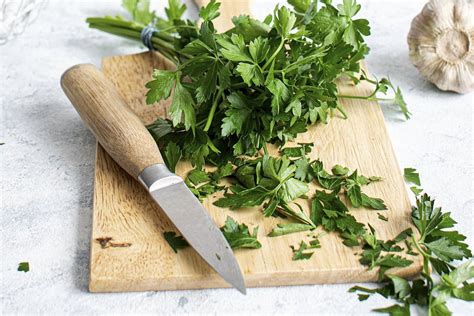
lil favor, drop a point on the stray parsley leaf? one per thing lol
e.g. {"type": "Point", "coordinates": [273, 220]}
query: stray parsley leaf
{"type": "Point", "coordinates": [175, 241]}
{"type": "Point", "coordinates": [395, 310]}
{"type": "Point", "coordinates": [300, 254]}
{"type": "Point", "coordinates": [239, 236]}
{"type": "Point", "coordinates": [24, 266]}
{"type": "Point", "coordinates": [411, 176]}
{"type": "Point", "coordinates": [284, 229]}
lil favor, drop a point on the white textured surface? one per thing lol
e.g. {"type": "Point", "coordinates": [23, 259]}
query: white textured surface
{"type": "Point", "coordinates": [47, 169]}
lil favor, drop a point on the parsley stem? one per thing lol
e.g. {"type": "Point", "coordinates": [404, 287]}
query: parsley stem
{"type": "Point", "coordinates": [162, 42]}
{"type": "Point", "coordinates": [341, 110]}
{"type": "Point", "coordinates": [425, 255]}
{"type": "Point", "coordinates": [361, 97]}
{"type": "Point", "coordinates": [269, 61]}
{"type": "Point", "coordinates": [213, 110]}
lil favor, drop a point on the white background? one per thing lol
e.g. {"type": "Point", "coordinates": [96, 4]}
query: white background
{"type": "Point", "coordinates": [48, 156]}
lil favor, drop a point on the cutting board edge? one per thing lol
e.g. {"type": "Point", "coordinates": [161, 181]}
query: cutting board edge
{"type": "Point", "coordinates": [107, 285]}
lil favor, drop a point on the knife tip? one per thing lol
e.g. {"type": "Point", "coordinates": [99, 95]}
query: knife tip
{"type": "Point", "coordinates": [239, 284]}
{"type": "Point", "coordinates": [243, 291]}
{"type": "Point", "coordinates": [241, 288]}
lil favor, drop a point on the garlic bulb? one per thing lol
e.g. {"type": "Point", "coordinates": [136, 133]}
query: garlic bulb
{"type": "Point", "coordinates": [441, 42]}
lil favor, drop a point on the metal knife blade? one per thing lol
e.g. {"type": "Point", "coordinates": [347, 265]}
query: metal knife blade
{"type": "Point", "coordinates": [193, 221]}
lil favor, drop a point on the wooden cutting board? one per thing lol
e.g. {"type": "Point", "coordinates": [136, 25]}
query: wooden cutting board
{"type": "Point", "coordinates": [142, 260]}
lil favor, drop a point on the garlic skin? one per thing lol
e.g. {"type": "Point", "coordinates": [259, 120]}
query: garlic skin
{"type": "Point", "coordinates": [441, 42]}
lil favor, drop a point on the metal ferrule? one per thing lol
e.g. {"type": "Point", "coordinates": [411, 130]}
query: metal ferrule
{"type": "Point", "coordinates": [158, 176]}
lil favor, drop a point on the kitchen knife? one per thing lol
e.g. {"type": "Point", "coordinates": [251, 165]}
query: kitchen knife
{"type": "Point", "coordinates": [122, 134]}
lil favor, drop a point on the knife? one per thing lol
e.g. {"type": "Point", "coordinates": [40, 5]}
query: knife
{"type": "Point", "coordinates": [122, 134]}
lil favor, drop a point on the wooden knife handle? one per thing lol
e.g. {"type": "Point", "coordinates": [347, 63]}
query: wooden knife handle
{"type": "Point", "coordinates": [116, 127]}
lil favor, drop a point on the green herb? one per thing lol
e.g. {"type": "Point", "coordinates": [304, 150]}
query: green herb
{"type": "Point", "coordinates": [267, 180]}
{"type": "Point", "coordinates": [140, 10]}
{"type": "Point", "coordinates": [314, 243]}
{"type": "Point", "coordinates": [382, 218]}
{"type": "Point", "coordinates": [171, 155]}
{"type": "Point", "coordinates": [382, 86]}
{"type": "Point", "coordinates": [260, 82]}
{"type": "Point", "coordinates": [24, 266]}
{"type": "Point", "coordinates": [203, 183]}
{"type": "Point", "coordinates": [301, 253]}
{"type": "Point", "coordinates": [284, 229]}
{"type": "Point", "coordinates": [175, 241]}
{"type": "Point", "coordinates": [239, 236]}
{"type": "Point", "coordinates": [374, 250]}
{"type": "Point", "coordinates": [350, 182]}
{"type": "Point", "coordinates": [416, 190]}
{"type": "Point", "coordinates": [299, 151]}
{"type": "Point", "coordinates": [329, 211]}
{"type": "Point", "coordinates": [439, 246]}
{"type": "Point", "coordinates": [411, 176]}
{"type": "Point", "coordinates": [395, 310]}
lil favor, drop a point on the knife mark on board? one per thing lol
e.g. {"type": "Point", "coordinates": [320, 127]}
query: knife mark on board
{"type": "Point", "coordinates": [106, 242]}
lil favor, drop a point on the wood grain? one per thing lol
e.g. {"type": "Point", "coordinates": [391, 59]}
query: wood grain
{"type": "Point", "coordinates": [115, 126]}
{"type": "Point", "coordinates": [124, 212]}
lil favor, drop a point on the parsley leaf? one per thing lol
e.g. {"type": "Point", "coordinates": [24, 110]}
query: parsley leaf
{"type": "Point", "coordinates": [171, 155]}
{"type": "Point", "coordinates": [175, 241]}
{"type": "Point", "coordinates": [395, 310]}
{"type": "Point", "coordinates": [210, 11]}
{"type": "Point", "coordinates": [289, 228]}
{"type": "Point", "coordinates": [140, 10]}
{"type": "Point", "coordinates": [300, 253]}
{"type": "Point", "coordinates": [24, 266]}
{"type": "Point", "coordinates": [411, 176]}
{"type": "Point", "coordinates": [239, 236]}
{"type": "Point", "coordinates": [175, 10]}
{"type": "Point", "coordinates": [182, 107]}
{"type": "Point", "coordinates": [160, 87]}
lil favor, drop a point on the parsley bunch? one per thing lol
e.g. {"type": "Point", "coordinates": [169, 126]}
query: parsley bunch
{"type": "Point", "coordinates": [257, 83]}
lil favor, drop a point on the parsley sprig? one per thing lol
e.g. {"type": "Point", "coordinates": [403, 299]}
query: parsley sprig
{"type": "Point", "coordinates": [439, 247]}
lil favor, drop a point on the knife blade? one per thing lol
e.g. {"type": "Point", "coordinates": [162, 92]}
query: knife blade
{"type": "Point", "coordinates": [122, 134]}
{"type": "Point", "coordinates": [193, 221]}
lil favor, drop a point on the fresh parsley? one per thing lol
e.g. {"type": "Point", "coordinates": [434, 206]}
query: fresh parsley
{"type": "Point", "coordinates": [239, 236]}
{"type": "Point", "coordinates": [260, 82]}
{"type": "Point", "coordinates": [440, 246]}
{"type": "Point", "coordinates": [301, 253]}
{"type": "Point", "coordinates": [175, 241]}
{"type": "Point", "coordinates": [24, 266]}
{"type": "Point", "coordinates": [412, 176]}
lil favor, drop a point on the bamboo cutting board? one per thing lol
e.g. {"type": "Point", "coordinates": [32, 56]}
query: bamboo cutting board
{"type": "Point", "coordinates": [129, 253]}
